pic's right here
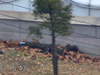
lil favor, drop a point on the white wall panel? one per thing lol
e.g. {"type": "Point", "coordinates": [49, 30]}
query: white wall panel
{"type": "Point", "coordinates": [24, 3]}
{"type": "Point", "coordinates": [5, 7]}
{"type": "Point", "coordinates": [81, 7]}
{"type": "Point", "coordinates": [95, 13]}
{"type": "Point", "coordinates": [79, 11]}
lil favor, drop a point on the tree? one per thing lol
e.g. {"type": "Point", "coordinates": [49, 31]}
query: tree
{"type": "Point", "coordinates": [56, 17]}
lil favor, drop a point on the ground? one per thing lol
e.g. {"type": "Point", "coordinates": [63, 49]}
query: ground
{"type": "Point", "coordinates": [24, 65]}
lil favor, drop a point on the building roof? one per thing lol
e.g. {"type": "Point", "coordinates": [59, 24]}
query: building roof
{"type": "Point", "coordinates": [6, 1]}
{"type": "Point", "coordinates": [87, 3]}
{"type": "Point", "coordinates": [15, 15]}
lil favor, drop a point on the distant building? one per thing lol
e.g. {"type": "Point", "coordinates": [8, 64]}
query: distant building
{"type": "Point", "coordinates": [16, 5]}
{"type": "Point", "coordinates": [80, 7]}
{"type": "Point", "coordinates": [85, 7]}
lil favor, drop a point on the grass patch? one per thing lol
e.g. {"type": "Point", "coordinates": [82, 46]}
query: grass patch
{"type": "Point", "coordinates": [43, 66]}
{"type": "Point", "coordinates": [42, 59]}
{"type": "Point", "coordinates": [11, 53]}
{"type": "Point", "coordinates": [12, 49]}
{"type": "Point", "coordinates": [21, 53]}
{"type": "Point", "coordinates": [47, 74]}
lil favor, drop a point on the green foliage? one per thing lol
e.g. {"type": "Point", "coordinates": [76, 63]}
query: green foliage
{"type": "Point", "coordinates": [44, 59]}
{"type": "Point", "coordinates": [35, 30]}
{"type": "Point", "coordinates": [11, 53]}
{"type": "Point", "coordinates": [21, 53]}
{"type": "Point", "coordinates": [12, 49]}
{"type": "Point", "coordinates": [56, 17]}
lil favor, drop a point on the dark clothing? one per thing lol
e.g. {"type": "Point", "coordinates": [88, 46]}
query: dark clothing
{"type": "Point", "coordinates": [72, 48]}
{"type": "Point", "coordinates": [1, 52]}
{"type": "Point", "coordinates": [48, 50]}
{"type": "Point", "coordinates": [48, 47]}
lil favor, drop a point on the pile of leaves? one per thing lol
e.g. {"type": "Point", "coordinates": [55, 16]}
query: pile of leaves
{"type": "Point", "coordinates": [80, 57]}
{"type": "Point", "coordinates": [9, 43]}
{"type": "Point", "coordinates": [36, 53]}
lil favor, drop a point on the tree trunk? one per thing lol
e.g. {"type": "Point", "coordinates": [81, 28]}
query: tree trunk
{"type": "Point", "coordinates": [53, 51]}
{"type": "Point", "coordinates": [55, 57]}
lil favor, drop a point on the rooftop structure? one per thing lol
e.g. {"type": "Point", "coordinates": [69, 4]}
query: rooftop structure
{"type": "Point", "coordinates": [85, 7]}
{"type": "Point", "coordinates": [16, 5]}
{"type": "Point", "coordinates": [80, 7]}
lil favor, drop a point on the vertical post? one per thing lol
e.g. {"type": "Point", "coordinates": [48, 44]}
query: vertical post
{"type": "Point", "coordinates": [96, 35]}
{"type": "Point", "coordinates": [29, 6]}
{"type": "Point", "coordinates": [20, 19]}
{"type": "Point", "coordinates": [12, 7]}
{"type": "Point", "coordinates": [95, 31]}
{"type": "Point", "coordinates": [89, 8]}
{"type": "Point", "coordinates": [20, 30]}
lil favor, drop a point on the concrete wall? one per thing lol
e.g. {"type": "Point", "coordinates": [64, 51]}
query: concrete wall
{"type": "Point", "coordinates": [16, 30]}
{"type": "Point", "coordinates": [12, 27]}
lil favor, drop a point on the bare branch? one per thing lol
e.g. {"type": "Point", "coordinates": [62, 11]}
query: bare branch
{"type": "Point", "coordinates": [57, 35]}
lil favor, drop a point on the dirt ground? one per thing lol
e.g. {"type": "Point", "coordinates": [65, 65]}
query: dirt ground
{"type": "Point", "coordinates": [14, 63]}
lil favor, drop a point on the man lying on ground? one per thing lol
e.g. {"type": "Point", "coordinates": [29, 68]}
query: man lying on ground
{"type": "Point", "coordinates": [48, 47]}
